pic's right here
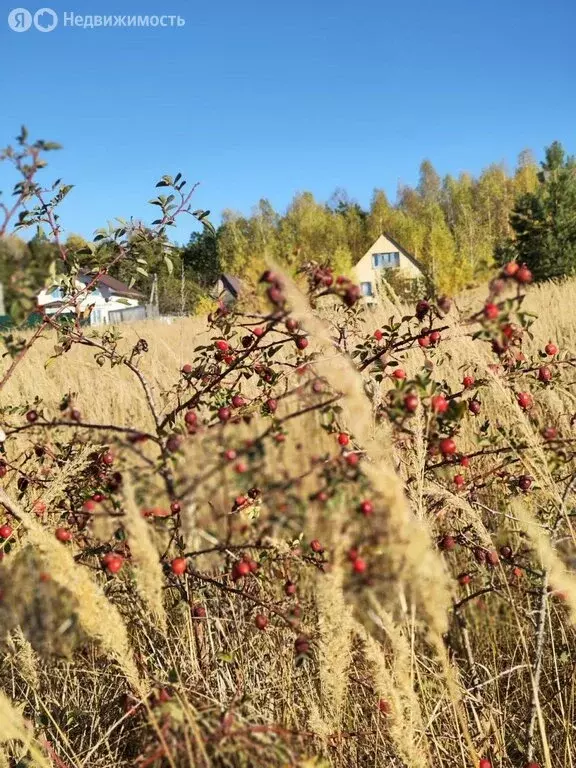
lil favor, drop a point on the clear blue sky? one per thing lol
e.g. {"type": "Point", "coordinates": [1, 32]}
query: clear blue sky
{"type": "Point", "coordinates": [263, 99]}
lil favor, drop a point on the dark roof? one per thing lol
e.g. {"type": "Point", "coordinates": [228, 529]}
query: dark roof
{"type": "Point", "coordinates": [406, 253]}
{"type": "Point", "coordinates": [232, 284]}
{"type": "Point", "coordinates": [116, 286]}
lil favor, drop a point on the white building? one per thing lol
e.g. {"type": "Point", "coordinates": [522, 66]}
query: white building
{"type": "Point", "coordinates": [106, 302]}
{"type": "Point", "coordinates": [385, 253]}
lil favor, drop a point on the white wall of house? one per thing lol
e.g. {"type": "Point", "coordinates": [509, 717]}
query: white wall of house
{"type": "Point", "coordinates": [101, 299]}
{"type": "Point", "coordinates": [382, 255]}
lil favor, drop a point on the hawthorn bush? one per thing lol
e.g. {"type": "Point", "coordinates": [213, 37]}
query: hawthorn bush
{"type": "Point", "coordinates": [314, 542]}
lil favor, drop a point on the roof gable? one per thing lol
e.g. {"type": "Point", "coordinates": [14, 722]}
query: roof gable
{"type": "Point", "coordinates": [380, 242]}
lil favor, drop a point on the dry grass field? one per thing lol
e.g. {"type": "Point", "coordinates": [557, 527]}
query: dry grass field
{"type": "Point", "coordinates": [436, 655]}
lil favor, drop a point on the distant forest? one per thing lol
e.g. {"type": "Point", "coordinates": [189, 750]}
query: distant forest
{"type": "Point", "coordinates": [457, 226]}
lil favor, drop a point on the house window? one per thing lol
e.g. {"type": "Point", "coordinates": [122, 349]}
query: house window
{"type": "Point", "coordinates": [391, 259]}
{"type": "Point", "coordinates": [56, 294]}
{"type": "Point", "coordinates": [366, 289]}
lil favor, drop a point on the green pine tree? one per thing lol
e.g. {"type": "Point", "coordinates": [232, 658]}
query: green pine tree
{"type": "Point", "coordinates": [544, 221]}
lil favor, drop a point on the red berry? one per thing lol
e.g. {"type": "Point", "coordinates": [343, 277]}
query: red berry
{"type": "Point", "coordinates": [464, 579]}
{"type": "Point", "coordinates": [422, 308]}
{"type": "Point", "coordinates": [301, 342]}
{"type": "Point", "coordinates": [175, 507]}
{"type": "Point", "coordinates": [523, 275]}
{"type": "Point", "coordinates": [315, 546]}
{"type": "Point", "coordinates": [352, 459]}
{"type": "Point", "coordinates": [366, 507]}
{"type": "Point", "coordinates": [464, 461]}
{"type": "Point", "coordinates": [198, 611]}
{"type": "Point", "coordinates": [411, 403]}
{"type": "Point", "coordinates": [271, 405]}
{"type": "Point", "coordinates": [241, 467]}
{"type": "Point", "coordinates": [224, 414]}
{"type": "Point", "coordinates": [32, 416]}
{"type": "Point", "coordinates": [191, 418]}
{"type": "Point", "coordinates": [291, 324]}
{"type": "Point", "coordinates": [63, 534]}
{"type": "Point", "coordinates": [5, 531]}
{"type": "Point", "coordinates": [448, 446]}
{"type": "Point", "coordinates": [302, 644]}
{"type": "Point", "coordinates": [474, 406]}
{"type": "Point", "coordinates": [178, 565]}
{"type": "Point", "coordinates": [399, 373]}
{"type": "Point", "coordinates": [491, 311]}
{"type": "Point", "coordinates": [468, 382]}
{"type": "Point", "coordinates": [359, 565]}
{"type": "Point", "coordinates": [384, 706]}
{"type": "Point", "coordinates": [187, 369]}
{"type": "Point", "coordinates": [222, 345]}
{"type": "Point", "coordinates": [447, 543]}
{"type": "Point", "coordinates": [238, 401]}
{"type": "Point", "coordinates": [459, 481]}
{"type": "Point", "coordinates": [343, 438]}
{"type": "Point", "coordinates": [480, 555]}
{"type": "Point", "coordinates": [550, 433]}
{"type": "Point", "coordinates": [289, 588]}
{"type": "Point", "coordinates": [492, 557]}
{"type": "Point", "coordinates": [439, 404]}
{"type": "Point", "coordinates": [485, 763]}
{"type": "Point", "coordinates": [240, 570]}
{"type": "Point", "coordinates": [230, 454]}
{"type": "Point", "coordinates": [544, 374]}
{"type": "Point", "coordinates": [113, 562]}
{"type": "Point", "coordinates": [378, 334]}
{"type": "Point", "coordinates": [524, 482]}
{"type": "Point", "coordinates": [525, 400]}
{"type": "Point", "coordinates": [511, 268]}
{"type": "Point", "coordinates": [435, 337]}
{"type": "Point", "coordinates": [506, 552]}
{"type": "Point", "coordinates": [551, 349]}
{"type": "Point", "coordinates": [258, 332]}
{"type": "Point", "coordinates": [107, 458]}
{"type": "Point", "coordinates": [424, 341]}
{"type": "Point", "coordinates": [173, 443]}
{"type": "Point", "coordinates": [261, 621]}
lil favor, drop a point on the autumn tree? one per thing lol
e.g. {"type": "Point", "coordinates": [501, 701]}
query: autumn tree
{"type": "Point", "coordinates": [544, 221]}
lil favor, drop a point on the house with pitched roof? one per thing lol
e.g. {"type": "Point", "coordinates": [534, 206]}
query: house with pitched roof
{"type": "Point", "coordinates": [384, 254]}
{"type": "Point", "coordinates": [105, 302]}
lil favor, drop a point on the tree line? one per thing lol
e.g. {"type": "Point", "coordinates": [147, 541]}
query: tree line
{"type": "Point", "coordinates": [458, 227]}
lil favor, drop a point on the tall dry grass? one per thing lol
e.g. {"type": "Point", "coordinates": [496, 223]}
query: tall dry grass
{"type": "Point", "coordinates": [236, 696]}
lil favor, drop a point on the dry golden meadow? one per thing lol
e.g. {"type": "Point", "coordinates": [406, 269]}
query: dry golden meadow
{"type": "Point", "coordinates": [433, 656]}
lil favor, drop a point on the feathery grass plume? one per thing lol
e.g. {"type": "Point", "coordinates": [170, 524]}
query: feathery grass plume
{"type": "Point", "coordinates": [414, 559]}
{"type": "Point", "coordinates": [470, 516]}
{"type": "Point", "coordinates": [25, 658]}
{"type": "Point", "coordinates": [147, 570]}
{"type": "Point", "coordinates": [394, 686]}
{"type": "Point", "coordinates": [14, 728]}
{"type": "Point", "coordinates": [64, 474]}
{"type": "Point", "coordinates": [334, 645]}
{"type": "Point", "coordinates": [558, 574]}
{"type": "Point", "coordinates": [97, 616]}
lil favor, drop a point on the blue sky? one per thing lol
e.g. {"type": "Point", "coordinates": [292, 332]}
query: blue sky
{"type": "Point", "coordinates": [263, 99]}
